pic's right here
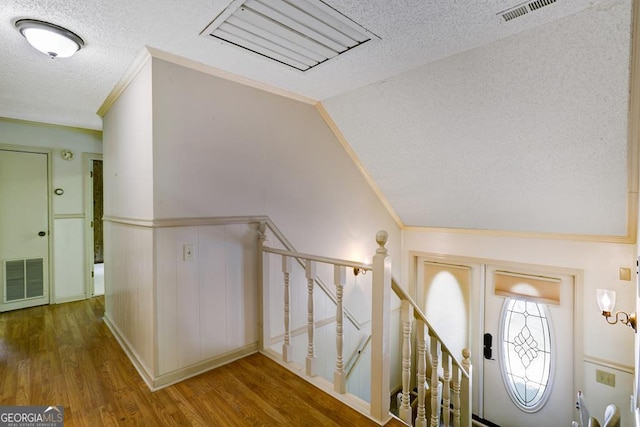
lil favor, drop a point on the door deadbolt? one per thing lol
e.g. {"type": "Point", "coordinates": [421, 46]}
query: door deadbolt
{"type": "Point", "coordinates": [42, 233]}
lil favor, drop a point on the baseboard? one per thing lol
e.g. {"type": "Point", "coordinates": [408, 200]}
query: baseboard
{"type": "Point", "coordinates": [182, 374]}
{"type": "Point", "coordinates": [80, 297]}
{"type": "Point", "coordinates": [130, 352]}
{"type": "Point", "coordinates": [161, 381]}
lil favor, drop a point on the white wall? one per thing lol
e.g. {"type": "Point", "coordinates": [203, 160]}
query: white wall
{"type": "Point", "coordinates": [599, 262]}
{"type": "Point", "coordinates": [181, 144]}
{"type": "Point", "coordinates": [128, 143]}
{"type": "Point", "coordinates": [128, 194]}
{"type": "Point", "coordinates": [68, 209]}
{"type": "Point", "coordinates": [224, 149]}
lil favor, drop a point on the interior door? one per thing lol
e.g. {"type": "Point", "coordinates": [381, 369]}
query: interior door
{"type": "Point", "coordinates": [24, 229]}
{"type": "Point", "coordinates": [528, 351]}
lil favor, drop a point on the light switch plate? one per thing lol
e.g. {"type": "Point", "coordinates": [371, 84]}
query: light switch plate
{"type": "Point", "coordinates": [188, 252]}
{"type": "Point", "coordinates": [606, 378]}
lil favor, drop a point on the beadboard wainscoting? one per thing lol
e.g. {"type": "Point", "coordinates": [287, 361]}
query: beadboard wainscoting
{"type": "Point", "coordinates": [181, 294]}
{"type": "Point", "coordinates": [206, 294]}
{"type": "Point", "coordinates": [129, 292]}
{"type": "Point", "coordinates": [69, 260]}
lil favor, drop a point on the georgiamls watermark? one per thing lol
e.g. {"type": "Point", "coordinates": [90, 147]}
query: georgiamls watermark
{"type": "Point", "coordinates": [31, 416]}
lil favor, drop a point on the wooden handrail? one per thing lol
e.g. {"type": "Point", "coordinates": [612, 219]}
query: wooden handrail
{"type": "Point", "coordinates": [317, 258]}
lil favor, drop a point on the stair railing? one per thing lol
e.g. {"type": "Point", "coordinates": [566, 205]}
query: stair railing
{"type": "Point", "coordinates": [453, 404]}
{"type": "Point", "coordinates": [382, 286]}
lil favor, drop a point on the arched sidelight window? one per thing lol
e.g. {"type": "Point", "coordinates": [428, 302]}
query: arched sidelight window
{"type": "Point", "coordinates": [527, 353]}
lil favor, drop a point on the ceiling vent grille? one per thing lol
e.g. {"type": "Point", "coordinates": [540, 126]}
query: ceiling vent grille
{"type": "Point", "coordinates": [297, 33]}
{"type": "Point", "coordinates": [524, 8]}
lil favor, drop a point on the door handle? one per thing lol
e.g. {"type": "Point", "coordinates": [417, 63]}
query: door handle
{"type": "Point", "coordinates": [488, 342]}
{"type": "Point", "coordinates": [42, 233]}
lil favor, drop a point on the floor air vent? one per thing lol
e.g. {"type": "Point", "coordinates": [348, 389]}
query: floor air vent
{"type": "Point", "coordinates": [524, 8]}
{"type": "Point", "coordinates": [297, 33]}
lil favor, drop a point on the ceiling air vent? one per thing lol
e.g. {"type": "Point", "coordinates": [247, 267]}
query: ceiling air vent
{"type": "Point", "coordinates": [297, 33]}
{"type": "Point", "coordinates": [524, 8]}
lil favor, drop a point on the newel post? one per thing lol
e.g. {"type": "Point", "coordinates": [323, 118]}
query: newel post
{"type": "Point", "coordinates": [380, 331]}
{"type": "Point", "coordinates": [264, 330]}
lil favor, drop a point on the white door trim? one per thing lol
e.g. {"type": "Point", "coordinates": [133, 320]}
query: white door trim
{"type": "Point", "coordinates": [87, 168]}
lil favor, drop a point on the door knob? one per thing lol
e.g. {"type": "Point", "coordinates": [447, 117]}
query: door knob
{"type": "Point", "coordinates": [42, 233]}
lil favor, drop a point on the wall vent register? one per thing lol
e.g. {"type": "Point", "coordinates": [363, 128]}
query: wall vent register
{"type": "Point", "coordinates": [298, 33]}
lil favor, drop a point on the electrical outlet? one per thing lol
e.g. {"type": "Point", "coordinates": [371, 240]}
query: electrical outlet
{"type": "Point", "coordinates": [606, 378]}
{"type": "Point", "coordinates": [188, 252]}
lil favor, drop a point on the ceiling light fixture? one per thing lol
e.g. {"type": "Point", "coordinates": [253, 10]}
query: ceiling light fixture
{"type": "Point", "coordinates": [51, 39]}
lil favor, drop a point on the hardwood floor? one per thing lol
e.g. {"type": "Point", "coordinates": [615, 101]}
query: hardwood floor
{"type": "Point", "coordinates": [65, 355]}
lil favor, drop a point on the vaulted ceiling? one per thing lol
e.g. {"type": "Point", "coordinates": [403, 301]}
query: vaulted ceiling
{"type": "Point", "coordinates": [461, 118]}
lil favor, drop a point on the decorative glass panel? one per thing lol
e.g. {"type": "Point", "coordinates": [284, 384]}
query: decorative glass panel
{"type": "Point", "coordinates": [526, 353]}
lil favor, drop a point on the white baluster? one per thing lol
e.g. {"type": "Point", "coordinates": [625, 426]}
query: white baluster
{"type": "Point", "coordinates": [421, 418]}
{"type": "Point", "coordinates": [406, 316]}
{"type": "Point", "coordinates": [339, 376]}
{"type": "Point", "coordinates": [455, 386]}
{"type": "Point", "coordinates": [310, 268]}
{"type": "Point", "coordinates": [435, 396]}
{"type": "Point", "coordinates": [286, 346]}
{"type": "Point", "coordinates": [465, 389]}
{"type": "Point", "coordinates": [446, 389]}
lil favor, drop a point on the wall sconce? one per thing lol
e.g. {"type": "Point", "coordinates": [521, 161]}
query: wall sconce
{"type": "Point", "coordinates": [357, 270]}
{"type": "Point", "coordinates": [606, 302]}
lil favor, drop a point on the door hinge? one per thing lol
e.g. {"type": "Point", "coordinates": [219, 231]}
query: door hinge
{"type": "Point", "coordinates": [91, 224]}
{"type": "Point", "coordinates": [92, 274]}
{"type": "Point", "coordinates": [91, 174]}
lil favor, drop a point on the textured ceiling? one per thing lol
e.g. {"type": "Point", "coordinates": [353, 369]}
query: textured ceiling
{"type": "Point", "coordinates": [70, 91]}
{"type": "Point", "coordinates": [527, 133]}
{"type": "Point", "coordinates": [462, 119]}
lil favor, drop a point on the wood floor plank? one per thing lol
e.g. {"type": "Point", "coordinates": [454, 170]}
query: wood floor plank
{"type": "Point", "coordinates": [65, 355]}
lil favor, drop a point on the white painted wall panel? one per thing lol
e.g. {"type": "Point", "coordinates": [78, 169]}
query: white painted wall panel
{"type": "Point", "coordinates": [213, 289]}
{"type": "Point", "coordinates": [598, 396]}
{"type": "Point", "coordinates": [128, 143]}
{"type": "Point", "coordinates": [207, 307]}
{"type": "Point", "coordinates": [224, 149]}
{"type": "Point", "coordinates": [188, 293]}
{"type": "Point", "coordinates": [167, 295]}
{"type": "Point", "coordinates": [240, 254]}
{"type": "Point", "coordinates": [129, 292]}
{"type": "Point", "coordinates": [69, 260]}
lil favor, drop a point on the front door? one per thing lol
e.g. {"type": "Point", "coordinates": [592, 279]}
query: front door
{"type": "Point", "coordinates": [528, 349]}
{"type": "Point", "coordinates": [24, 229]}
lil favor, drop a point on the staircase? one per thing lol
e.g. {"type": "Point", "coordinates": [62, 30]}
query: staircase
{"type": "Point", "coordinates": [441, 381]}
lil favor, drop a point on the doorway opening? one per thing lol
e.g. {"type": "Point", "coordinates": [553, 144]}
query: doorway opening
{"type": "Point", "coordinates": [94, 211]}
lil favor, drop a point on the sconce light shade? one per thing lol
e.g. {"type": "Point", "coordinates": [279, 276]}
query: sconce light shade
{"type": "Point", "coordinates": [606, 300]}
{"type": "Point", "coordinates": [51, 39]}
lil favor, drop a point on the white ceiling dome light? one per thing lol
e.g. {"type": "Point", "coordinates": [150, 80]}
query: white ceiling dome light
{"type": "Point", "coordinates": [51, 39]}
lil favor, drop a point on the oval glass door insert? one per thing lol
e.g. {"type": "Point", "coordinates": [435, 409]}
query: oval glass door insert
{"type": "Point", "coordinates": [526, 356]}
